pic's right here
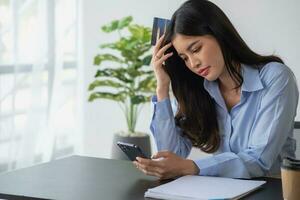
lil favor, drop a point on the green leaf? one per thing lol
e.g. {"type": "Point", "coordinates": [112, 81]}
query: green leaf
{"type": "Point", "coordinates": [146, 35]}
{"type": "Point", "coordinates": [130, 48]}
{"type": "Point", "coordinates": [147, 85]}
{"type": "Point", "coordinates": [110, 27]}
{"type": "Point", "coordinates": [149, 72]}
{"type": "Point", "coordinates": [117, 24]}
{"type": "Point", "coordinates": [133, 82]}
{"type": "Point", "coordinates": [136, 31]}
{"type": "Point", "coordinates": [108, 45]}
{"type": "Point", "coordinates": [124, 22]}
{"type": "Point", "coordinates": [138, 99]}
{"type": "Point", "coordinates": [148, 97]}
{"type": "Point", "coordinates": [118, 73]}
{"type": "Point", "coordinates": [133, 73]}
{"type": "Point", "coordinates": [105, 95]}
{"type": "Point", "coordinates": [101, 83]}
{"type": "Point", "coordinates": [147, 60]}
{"type": "Point", "coordinates": [140, 33]}
{"type": "Point", "coordinates": [98, 59]}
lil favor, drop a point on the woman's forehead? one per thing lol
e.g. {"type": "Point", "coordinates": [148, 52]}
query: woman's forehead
{"type": "Point", "coordinates": [182, 42]}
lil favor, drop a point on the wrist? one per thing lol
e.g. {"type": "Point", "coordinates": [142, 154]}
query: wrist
{"type": "Point", "coordinates": [190, 168]}
{"type": "Point", "coordinates": [163, 88]}
{"type": "Point", "coordinates": [162, 93]}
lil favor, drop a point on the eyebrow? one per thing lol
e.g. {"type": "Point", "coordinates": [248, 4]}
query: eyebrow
{"type": "Point", "coordinates": [190, 47]}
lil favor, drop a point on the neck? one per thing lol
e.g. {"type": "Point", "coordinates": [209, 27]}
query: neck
{"type": "Point", "coordinates": [226, 82]}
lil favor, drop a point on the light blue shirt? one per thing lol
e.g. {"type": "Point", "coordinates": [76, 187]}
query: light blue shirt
{"type": "Point", "coordinates": [256, 134]}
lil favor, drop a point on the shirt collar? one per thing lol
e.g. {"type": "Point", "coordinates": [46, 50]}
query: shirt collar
{"type": "Point", "coordinates": [252, 81]}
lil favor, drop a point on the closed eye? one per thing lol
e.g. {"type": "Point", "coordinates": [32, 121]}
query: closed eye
{"type": "Point", "coordinates": [196, 50]}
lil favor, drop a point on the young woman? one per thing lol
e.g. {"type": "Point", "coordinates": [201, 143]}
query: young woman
{"type": "Point", "coordinates": [232, 102]}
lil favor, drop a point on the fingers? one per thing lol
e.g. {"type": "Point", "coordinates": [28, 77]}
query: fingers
{"type": "Point", "coordinates": [161, 51]}
{"type": "Point", "coordinates": [161, 165]}
{"type": "Point", "coordinates": [149, 162]}
{"type": "Point", "coordinates": [151, 173]}
{"type": "Point", "coordinates": [164, 58]}
{"type": "Point", "coordinates": [162, 154]}
{"type": "Point", "coordinates": [149, 165]}
{"type": "Point", "coordinates": [149, 170]}
{"type": "Point", "coordinates": [158, 44]}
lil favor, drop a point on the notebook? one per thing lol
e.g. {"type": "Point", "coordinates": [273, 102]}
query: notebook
{"type": "Point", "coordinates": [204, 187]}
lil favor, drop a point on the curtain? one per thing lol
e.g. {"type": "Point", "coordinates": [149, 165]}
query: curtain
{"type": "Point", "coordinates": [39, 112]}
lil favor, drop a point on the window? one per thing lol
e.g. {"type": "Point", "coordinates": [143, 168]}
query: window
{"type": "Point", "coordinates": [38, 71]}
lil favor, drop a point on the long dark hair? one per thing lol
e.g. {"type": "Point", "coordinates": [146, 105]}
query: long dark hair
{"type": "Point", "coordinates": [197, 115]}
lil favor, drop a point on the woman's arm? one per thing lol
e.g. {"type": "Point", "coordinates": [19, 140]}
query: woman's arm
{"type": "Point", "coordinates": [166, 134]}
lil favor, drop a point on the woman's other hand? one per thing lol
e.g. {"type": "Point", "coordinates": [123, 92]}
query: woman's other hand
{"type": "Point", "coordinates": [166, 165]}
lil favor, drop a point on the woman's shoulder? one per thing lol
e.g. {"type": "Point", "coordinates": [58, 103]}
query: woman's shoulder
{"type": "Point", "coordinates": [273, 71]}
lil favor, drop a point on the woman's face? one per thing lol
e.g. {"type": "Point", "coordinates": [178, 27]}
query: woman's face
{"type": "Point", "coordinates": [201, 54]}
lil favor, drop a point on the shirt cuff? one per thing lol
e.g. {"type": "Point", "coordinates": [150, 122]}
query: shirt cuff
{"type": "Point", "coordinates": [207, 166]}
{"type": "Point", "coordinates": [162, 109]}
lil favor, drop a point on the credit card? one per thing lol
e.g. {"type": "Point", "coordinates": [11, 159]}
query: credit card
{"type": "Point", "coordinates": [159, 28]}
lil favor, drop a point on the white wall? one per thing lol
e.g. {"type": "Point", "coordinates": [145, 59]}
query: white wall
{"type": "Point", "coordinates": [268, 26]}
{"type": "Point", "coordinates": [103, 118]}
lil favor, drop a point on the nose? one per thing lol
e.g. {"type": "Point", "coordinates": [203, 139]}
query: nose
{"type": "Point", "coordinates": [194, 62]}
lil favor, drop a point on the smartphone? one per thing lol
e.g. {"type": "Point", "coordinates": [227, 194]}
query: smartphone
{"type": "Point", "coordinates": [131, 150]}
{"type": "Point", "coordinates": [159, 28]}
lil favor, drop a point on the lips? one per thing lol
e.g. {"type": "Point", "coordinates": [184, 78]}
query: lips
{"type": "Point", "coordinates": [204, 71]}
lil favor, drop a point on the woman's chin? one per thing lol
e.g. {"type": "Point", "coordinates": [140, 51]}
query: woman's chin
{"type": "Point", "coordinates": [209, 78]}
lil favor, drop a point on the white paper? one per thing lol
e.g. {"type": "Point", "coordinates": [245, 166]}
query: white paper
{"type": "Point", "coordinates": [203, 187]}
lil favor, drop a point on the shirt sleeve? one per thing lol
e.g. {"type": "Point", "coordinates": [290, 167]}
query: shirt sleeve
{"type": "Point", "coordinates": [275, 118]}
{"type": "Point", "coordinates": [166, 134]}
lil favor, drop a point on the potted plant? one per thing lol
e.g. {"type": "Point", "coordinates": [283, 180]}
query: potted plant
{"type": "Point", "coordinates": [124, 76]}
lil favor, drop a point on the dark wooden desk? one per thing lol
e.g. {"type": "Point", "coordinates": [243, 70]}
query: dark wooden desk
{"type": "Point", "coordinates": [85, 178]}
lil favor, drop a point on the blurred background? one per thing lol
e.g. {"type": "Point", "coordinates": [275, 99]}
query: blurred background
{"type": "Point", "coordinates": [47, 50]}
